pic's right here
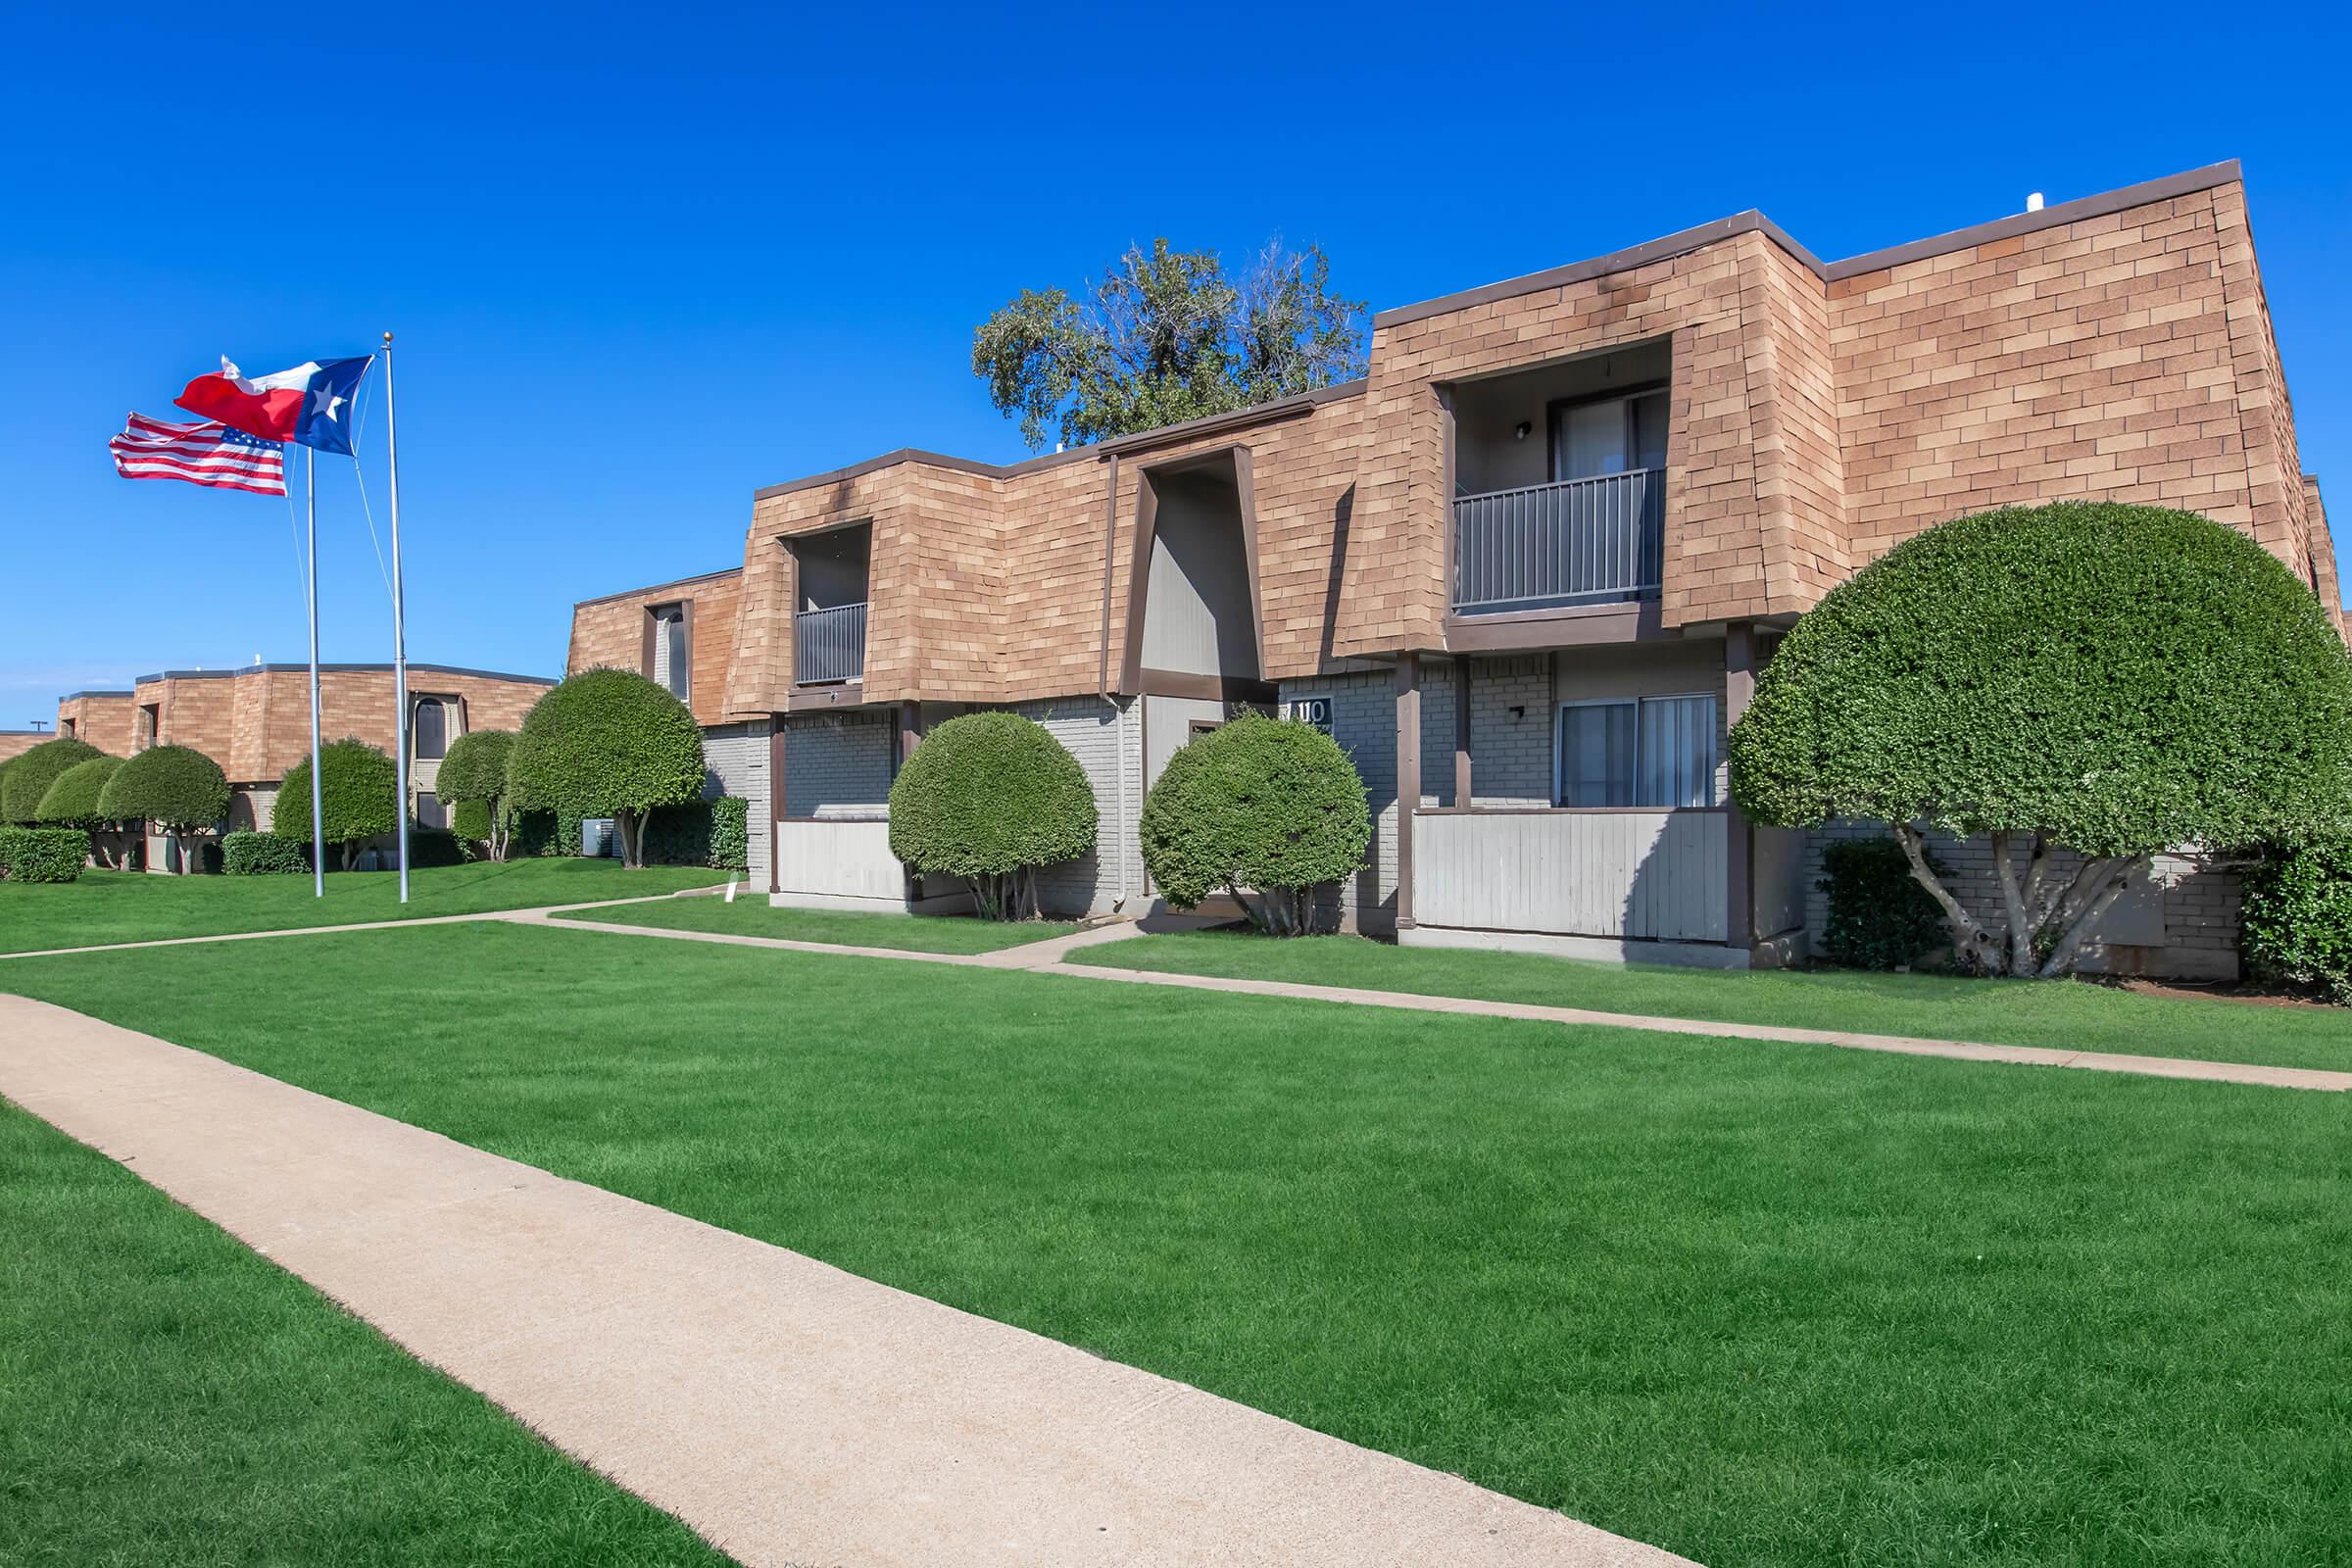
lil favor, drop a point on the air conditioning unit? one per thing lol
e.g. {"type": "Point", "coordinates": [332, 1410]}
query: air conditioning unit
{"type": "Point", "coordinates": [597, 838]}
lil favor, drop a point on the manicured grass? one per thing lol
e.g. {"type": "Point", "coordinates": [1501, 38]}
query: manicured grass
{"type": "Point", "coordinates": [136, 906]}
{"type": "Point", "coordinates": [2069, 1015]}
{"type": "Point", "coordinates": [166, 1397]}
{"type": "Point", "coordinates": [1759, 1303]}
{"type": "Point", "coordinates": [750, 916]}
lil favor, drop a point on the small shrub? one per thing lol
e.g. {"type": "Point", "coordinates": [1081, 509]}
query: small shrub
{"type": "Point", "coordinates": [472, 784]}
{"type": "Point", "coordinates": [1266, 810]}
{"type": "Point", "coordinates": [179, 790]}
{"type": "Point", "coordinates": [358, 788]}
{"type": "Point", "coordinates": [990, 798]}
{"type": "Point", "coordinates": [44, 854]}
{"type": "Point", "coordinates": [2298, 917]}
{"type": "Point", "coordinates": [30, 776]}
{"type": "Point", "coordinates": [246, 854]}
{"type": "Point", "coordinates": [1879, 917]}
{"type": "Point", "coordinates": [730, 834]}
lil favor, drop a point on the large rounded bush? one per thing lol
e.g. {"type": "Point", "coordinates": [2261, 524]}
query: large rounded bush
{"type": "Point", "coordinates": [1267, 810]}
{"type": "Point", "coordinates": [30, 776]}
{"type": "Point", "coordinates": [991, 797]}
{"type": "Point", "coordinates": [2108, 679]}
{"type": "Point", "coordinates": [359, 798]}
{"type": "Point", "coordinates": [607, 743]}
{"type": "Point", "coordinates": [176, 787]}
{"type": "Point", "coordinates": [73, 800]}
{"type": "Point", "coordinates": [472, 784]}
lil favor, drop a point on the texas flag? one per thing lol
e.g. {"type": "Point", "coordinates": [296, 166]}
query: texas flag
{"type": "Point", "coordinates": [309, 405]}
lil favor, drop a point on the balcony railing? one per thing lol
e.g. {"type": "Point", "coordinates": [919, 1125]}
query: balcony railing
{"type": "Point", "coordinates": [829, 645]}
{"type": "Point", "coordinates": [1578, 542]}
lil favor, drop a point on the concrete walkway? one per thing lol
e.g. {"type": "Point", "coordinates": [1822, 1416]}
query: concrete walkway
{"type": "Point", "coordinates": [790, 1412]}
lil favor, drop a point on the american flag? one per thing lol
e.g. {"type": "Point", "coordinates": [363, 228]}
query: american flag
{"type": "Point", "coordinates": [202, 453]}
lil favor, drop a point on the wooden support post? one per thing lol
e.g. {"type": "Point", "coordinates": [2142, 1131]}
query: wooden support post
{"type": "Point", "coordinates": [1462, 732]}
{"type": "Point", "coordinates": [1739, 848]}
{"type": "Point", "coordinates": [910, 735]}
{"type": "Point", "coordinates": [1409, 779]}
{"type": "Point", "coordinates": [775, 803]}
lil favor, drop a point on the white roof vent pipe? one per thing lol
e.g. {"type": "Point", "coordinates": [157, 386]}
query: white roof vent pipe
{"type": "Point", "coordinates": [2033, 202]}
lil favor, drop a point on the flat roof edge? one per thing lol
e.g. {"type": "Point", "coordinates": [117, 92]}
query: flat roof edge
{"type": "Point", "coordinates": [331, 669]}
{"type": "Point", "coordinates": [657, 587]}
{"type": "Point", "coordinates": [75, 696]}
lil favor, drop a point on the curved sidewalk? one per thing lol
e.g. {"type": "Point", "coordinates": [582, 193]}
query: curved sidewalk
{"type": "Point", "coordinates": [788, 1412]}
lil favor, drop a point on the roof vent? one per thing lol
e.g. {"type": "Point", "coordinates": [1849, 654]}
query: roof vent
{"type": "Point", "coordinates": [2033, 202]}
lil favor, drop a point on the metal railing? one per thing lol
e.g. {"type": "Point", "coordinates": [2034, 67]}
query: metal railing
{"type": "Point", "coordinates": [1577, 542]}
{"type": "Point", "coordinates": [829, 645]}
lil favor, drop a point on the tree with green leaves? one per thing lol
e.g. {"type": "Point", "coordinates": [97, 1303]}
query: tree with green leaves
{"type": "Point", "coordinates": [1166, 336]}
{"type": "Point", "coordinates": [30, 776]}
{"type": "Point", "coordinates": [2090, 684]}
{"type": "Point", "coordinates": [72, 802]}
{"type": "Point", "coordinates": [991, 797]}
{"type": "Point", "coordinates": [176, 787]}
{"type": "Point", "coordinates": [472, 784]}
{"type": "Point", "coordinates": [359, 798]}
{"type": "Point", "coordinates": [607, 743]}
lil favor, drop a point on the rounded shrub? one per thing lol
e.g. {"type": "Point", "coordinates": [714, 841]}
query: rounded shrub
{"type": "Point", "coordinates": [358, 793]}
{"type": "Point", "coordinates": [262, 855]}
{"type": "Point", "coordinates": [30, 776]}
{"type": "Point", "coordinates": [607, 743]}
{"type": "Point", "coordinates": [2114, 680]}
{"type": "Point", "coordinates": [42, 854]}
{"type": "Point", "coordinates": [2298, 917]}
{"type": "Point", "coordinates": [1266, 810]}
{"type": "Point", "coordinates": [72, 799]}
{"type": "Point", "coordinates": [176, 787]}
{"type": "Point", "coordinates": [991, 798]}
{"type": "Point", "coordinates": [472, 784]}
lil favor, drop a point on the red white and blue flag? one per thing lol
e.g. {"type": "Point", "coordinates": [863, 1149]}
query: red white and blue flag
{"type": "Point", "coordinates": [309, 405]}
{"type": "Point", "coordinates": [207, 452]}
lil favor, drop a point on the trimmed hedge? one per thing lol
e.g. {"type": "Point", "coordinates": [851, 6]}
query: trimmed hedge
{"type": "Point", "coordinates": [73, 800]}
{"type": "Point", "coordinates": [472, 784]}
{"type": "Point", "coordinates": [44, 854]}
{"type": "Point", "coordinates": [607, 743]}
{"type": "Point", "coordinates": [1880, 917]}
{"type": "Point", "coordinates": [358, 793]}
{"type": "Point", "coordinates": [1258, 807]}
{"type": "Point", "coordinates": [30, 776]}
{"type": "Point", "coordinates": [248, 854]}
{"type": "Point", "coordinates": [178, 789]}
{"type": "Point", "coordinates": [2298, 917]}
{"type": "Point", "coordinates": [469, 821]}
{"type": "Point", "coordinates": [990, 798]}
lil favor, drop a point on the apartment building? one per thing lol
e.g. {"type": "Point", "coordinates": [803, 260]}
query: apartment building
{"type": "Point", "coordinates": [1526, 572]}
{"type": "Point", "coordinates": [255, 721]}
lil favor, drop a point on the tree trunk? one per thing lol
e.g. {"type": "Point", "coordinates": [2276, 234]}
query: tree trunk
{"type": "Point", "coordinates": [1971, 945]}
{"type": "Point", "coordinates": [2098, 897]}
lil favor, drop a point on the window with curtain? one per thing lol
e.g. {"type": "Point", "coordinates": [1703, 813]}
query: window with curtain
{"type": "Point", "coordinates": [669, 671]}
{"type": "Point", "coordinates": [1656, 752]}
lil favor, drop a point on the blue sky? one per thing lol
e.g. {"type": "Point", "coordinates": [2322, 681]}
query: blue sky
{"type": "Point", "coordinates": [644, 261]}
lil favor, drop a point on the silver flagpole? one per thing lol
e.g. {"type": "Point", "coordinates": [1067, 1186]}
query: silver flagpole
{"type": "Point", "coordinates": [399, 652]}
{"type": "Point", "coordinates": [310, 496]}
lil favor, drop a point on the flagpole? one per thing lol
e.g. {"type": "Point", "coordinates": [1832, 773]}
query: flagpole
{"type": "Point", "coordinates": [399, 652]}
{"type": "Point", "coordinates": [310, 496]}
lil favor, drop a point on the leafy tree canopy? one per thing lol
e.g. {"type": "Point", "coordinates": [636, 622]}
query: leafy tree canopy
{"type": "Point", "coordinates": [2112, 680]}
{"type": "Point", "coordinates": [607, 742]}
{"type": "Point", "coordinates": [30, 776]}
{"type": "Point", "coordinates": [1166, 336]}
{"type": "Point", "coordinates": [991, 797]}
{"type": "Point", "coordinates": [359, 796]}
{"type": "Point", "coordinates": [178, 788]}
{"type": "Point", "coordinates": [73, 800]}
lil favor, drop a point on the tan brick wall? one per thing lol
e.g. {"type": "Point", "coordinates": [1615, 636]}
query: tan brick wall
{"type": "Point", "coordinates": [610, 633]}
{"type": "Point", "coordinates": [16, 743]}
{"type": "Point", "coordinates": [103, 721]}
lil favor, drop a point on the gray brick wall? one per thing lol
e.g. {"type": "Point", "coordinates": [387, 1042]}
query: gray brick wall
{"type": "Point", "coordinates": [1363, 714]}
{"type": "Point", "coordinates": [1106, 739]}
{"type": "Point", "coordinates": [736, 755]}
{"type": "Point", "coordinates": [838, 764]}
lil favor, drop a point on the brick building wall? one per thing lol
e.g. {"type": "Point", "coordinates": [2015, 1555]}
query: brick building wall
{"type": "Point", "coordinates": [102, 718]}
{"type": "Point", "coordinates": [837, 763]}
{"type": "Point", "coordinates": [737, 757]}
{"type": "Point", "coordinates": [610, 634]}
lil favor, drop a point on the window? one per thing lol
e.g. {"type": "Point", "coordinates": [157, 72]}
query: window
{"type": "Point", "coordinates": [143, 733]}
{"type": "Point", "coordinates": [668, 647]}
{"type": "Point", "coordinates": [1608, 435]}
{"type": "Point", "coordinates": [430, 812]}
{"type": "Point", "coordinates": [1656, 752]}
{"type": "Point", "coordinates": [428, 731]}
{"type": "Point", "coordinates": [65, 727]}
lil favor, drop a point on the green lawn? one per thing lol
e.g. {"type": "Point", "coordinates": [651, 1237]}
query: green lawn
{"type": "Point", "coordinates": [137, 907]}
{"type": "Point", "coordinates": [2071, 1015]}
{"type": "Point", "coordinates": [166, 1397]}
{"type": "Point", "coordinates": [1759, 1303]}
{"type": "Point", "coordinates": [750, 916]}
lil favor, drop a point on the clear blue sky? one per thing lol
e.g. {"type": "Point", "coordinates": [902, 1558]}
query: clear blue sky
{"type": "Point", "coordinates": [644, 261]}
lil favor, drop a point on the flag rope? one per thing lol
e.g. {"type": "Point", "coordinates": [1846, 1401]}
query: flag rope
{"type": "Point", "coordinates": [359, 421]}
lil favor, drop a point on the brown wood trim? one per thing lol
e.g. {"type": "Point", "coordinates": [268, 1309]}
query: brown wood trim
{"type": "Point", "coordinates": [1408, 780]}
{"type": "Point", "coordinates": [1110, 538]}
{"type": "Point", "coordinates": [1244, 487]}
{"type": "Point", "coordinates": [1463, 795]}
{"type": "Point", "coordinates": [1572, 626]}
{"type": "Point", "coordinates": [1450, 445]}
{"type": "Point", "coordinates": [1209, 688]}
{"type": "Point", "coordinates": [1139, 580]}
{"type": "Point", "coordinates": [645, 641]}
{"type": "Point", "coordinates": [1738, 855]}
{"type": "Point", "coordinates": [1572, 811]}
{"type": "Point", "coordinates": [775, 803]}
{"type": "Point", "coordinates": [686, 636]}
{"type": "Point", "coordinates": [826, 699]}
{"type": "Point", "coordinates": [838, 816]}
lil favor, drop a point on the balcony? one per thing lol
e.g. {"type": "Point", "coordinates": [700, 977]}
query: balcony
{"type": "Point", "coordinates": [828, 646]}
{"type": "Point", "coordinates": [1594, 541]}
